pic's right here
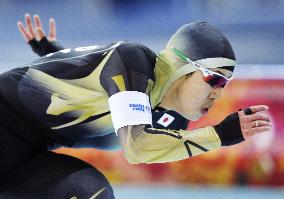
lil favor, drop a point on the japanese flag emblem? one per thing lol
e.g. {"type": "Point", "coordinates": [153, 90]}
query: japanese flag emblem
{"type": "Point", "coordinates": [166, 120]}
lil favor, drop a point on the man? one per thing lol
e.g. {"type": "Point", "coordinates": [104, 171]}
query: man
{"type": "Point", "coordinates": [85, 96]}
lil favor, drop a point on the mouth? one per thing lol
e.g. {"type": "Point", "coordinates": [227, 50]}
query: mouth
{"type": "Point", "coordinates": [205, 111]}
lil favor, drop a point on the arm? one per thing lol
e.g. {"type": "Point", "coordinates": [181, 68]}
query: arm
{"type": "Point", "coordinates": [127, 79]}
{"type": "Point", "coordinates": [147, 145]}
{"type": "Point", "coordinates": [34, 35]}
{"type": "Point", "coordinates": [142, 144]}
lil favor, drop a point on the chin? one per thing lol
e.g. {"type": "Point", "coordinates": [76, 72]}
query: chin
{"type": "Point", "coordinates": [194, 117]}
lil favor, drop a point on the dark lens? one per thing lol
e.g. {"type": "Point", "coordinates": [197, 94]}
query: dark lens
{"type": "Point", "coordinates": [215, 81]}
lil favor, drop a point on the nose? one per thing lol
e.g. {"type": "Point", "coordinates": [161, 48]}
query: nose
{"type": "Point", "coordinates": [216, 92]}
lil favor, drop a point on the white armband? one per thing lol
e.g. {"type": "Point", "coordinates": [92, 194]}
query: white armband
{"type": "Point", "coordinates": [129, 108]}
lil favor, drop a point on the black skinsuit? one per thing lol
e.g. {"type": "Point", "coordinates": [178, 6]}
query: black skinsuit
{"type": "Point", "coordinates": [61, 99]}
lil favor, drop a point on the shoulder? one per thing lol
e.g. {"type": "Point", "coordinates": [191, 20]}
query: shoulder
{"type": "Point", "coordinates": [136, 51]}
{"type": "Point", "coordinates": [137, 57]}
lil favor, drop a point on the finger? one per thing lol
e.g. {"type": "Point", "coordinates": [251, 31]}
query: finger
{"type": "Point", "coordinates": [39, 30]}
{"type": "Point", "coordinates": [241, 113]}
{"type": "Point", "coordinates": [258, 108]}
{"type": "Point", "coordinates": [52, 30]}
{"type": "Point", "coordinates": [253, 131]}
{"type": "Point", "coordinates": [247, 111]}
{"type": "Point", "coordinates": [254, 117]}
{"type": "Point", "coordinates": [29, 24]}
{"type": "Point", "coordinates": [261, 129]}
{"type": "Point", "coordinates": [259, 123]}
{"type": "Point", "coordinates": [38, 23]}
{"type": "Point", "coordinates": [40, 33]}
{"type": "Point", "coordinates": [27, 36]}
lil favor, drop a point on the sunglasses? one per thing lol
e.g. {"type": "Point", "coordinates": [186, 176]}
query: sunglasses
{"type": "Point", "coordinates": [215, 80]}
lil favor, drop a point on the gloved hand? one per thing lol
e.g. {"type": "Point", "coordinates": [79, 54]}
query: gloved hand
{"type": "Point", "coordinates": [36, 37]}
{"type": "Point", "coordinates": [243, 124]}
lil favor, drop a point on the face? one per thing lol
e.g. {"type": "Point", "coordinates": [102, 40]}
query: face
{"type": "Point", "coordinates": [193, 97]}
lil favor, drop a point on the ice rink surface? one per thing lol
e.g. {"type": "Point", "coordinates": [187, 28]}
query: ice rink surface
{"type": "Point", "coordinates": [189, 192]}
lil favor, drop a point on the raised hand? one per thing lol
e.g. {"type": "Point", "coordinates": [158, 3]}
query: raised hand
{"type": "Point", "coordinates": [35, 31]}
{"type": "Point", "coordinates": [35, 36]}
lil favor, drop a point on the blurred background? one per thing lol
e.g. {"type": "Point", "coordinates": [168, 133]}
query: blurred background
{"type": "Point", "coordinates": [255, 29]}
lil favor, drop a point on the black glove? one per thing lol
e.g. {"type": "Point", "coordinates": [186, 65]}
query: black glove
{"type": "Point", "coordinates": [44, 47]}
{"type": "Point", "coordinates": [229, 130]}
